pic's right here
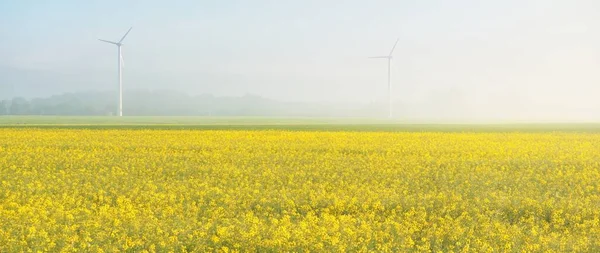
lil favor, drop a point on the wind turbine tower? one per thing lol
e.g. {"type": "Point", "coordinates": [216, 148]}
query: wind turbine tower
{"type": "Point", "coordinates": [389, 75]}
{"type": "Point", "coordinates": [120, 67]}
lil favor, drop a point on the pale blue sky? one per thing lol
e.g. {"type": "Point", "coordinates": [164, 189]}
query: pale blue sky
{"type": "Point", "coordinates": [483, 53]}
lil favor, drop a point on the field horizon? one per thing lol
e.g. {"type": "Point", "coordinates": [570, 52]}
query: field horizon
{"type": "Point", "coordinates": [289, 123]}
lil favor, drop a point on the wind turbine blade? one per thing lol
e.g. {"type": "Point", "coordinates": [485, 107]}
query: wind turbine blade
{"type": "Point", "coordinates": [122, 61]}
{"type": "Point", "coordinates": [109, 42]}
{"type": "Point", "coordinates": [379, 57]}
{"type": "Point", "coordinates": [125, 34]}
{"type": "Point", "coordinates": [391, 52]}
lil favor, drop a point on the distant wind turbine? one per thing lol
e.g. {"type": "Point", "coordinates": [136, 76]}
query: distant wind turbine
{"type": "Point", "coordinates": [389, 58]}
{"type": "Point", "coordinates": [121, 63]}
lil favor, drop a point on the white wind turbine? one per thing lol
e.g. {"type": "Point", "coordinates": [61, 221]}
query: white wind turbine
{"type": "Point", "coordinates": [121, 63]}
{"type": "Point", "coordinates": [389, 58]}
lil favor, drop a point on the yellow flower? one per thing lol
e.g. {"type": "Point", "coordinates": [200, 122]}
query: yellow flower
{"type": "Point", "coordinates": [113, 190]}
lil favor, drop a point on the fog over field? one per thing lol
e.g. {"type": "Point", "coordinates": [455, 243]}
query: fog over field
{"type": "Point", "coordinates": [460, 60]}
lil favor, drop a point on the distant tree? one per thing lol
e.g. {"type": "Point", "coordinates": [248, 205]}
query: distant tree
{"type": "Point", "coordinates": [4, 106]}
{"type": "Point", "coordinates": [37, 106]}
{"type": "Point", "coordinates": [20, 106]}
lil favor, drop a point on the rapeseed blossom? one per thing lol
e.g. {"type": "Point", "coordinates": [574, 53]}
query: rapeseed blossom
{"type": "Point", "coordinates": [186, 190]}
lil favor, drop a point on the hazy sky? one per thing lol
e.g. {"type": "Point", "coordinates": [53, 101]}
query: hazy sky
{"type": "Point", "coordinates": [511, 53]}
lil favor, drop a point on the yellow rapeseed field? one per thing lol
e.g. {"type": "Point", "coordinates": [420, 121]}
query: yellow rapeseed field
{"type": "Point", "coordinates": [187, 190]}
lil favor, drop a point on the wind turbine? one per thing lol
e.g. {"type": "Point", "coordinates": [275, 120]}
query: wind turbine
{"type": "Point", "coordinates": [389, 58]}
{"type": "Point", "coordinates": [121, 63]}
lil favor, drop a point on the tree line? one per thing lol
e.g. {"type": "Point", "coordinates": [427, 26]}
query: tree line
{"type": "Point", "coordinates": [163, 103]}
